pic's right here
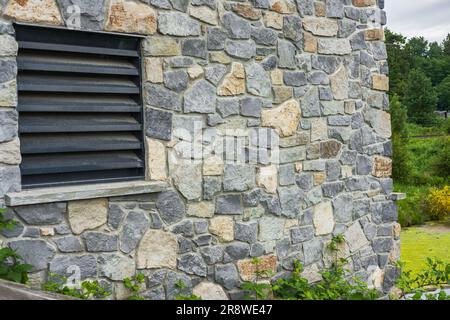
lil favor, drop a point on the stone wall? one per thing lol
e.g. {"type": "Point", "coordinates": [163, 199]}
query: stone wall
{"type": "Point", "coordinates": [268, 118]}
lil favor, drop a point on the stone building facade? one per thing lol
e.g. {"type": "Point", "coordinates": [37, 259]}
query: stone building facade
{"type": "Point", "coordinates": [267, 133]}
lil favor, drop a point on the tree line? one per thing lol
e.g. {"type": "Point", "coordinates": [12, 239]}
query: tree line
{"type": "Point", "coordinates": [419, 75]}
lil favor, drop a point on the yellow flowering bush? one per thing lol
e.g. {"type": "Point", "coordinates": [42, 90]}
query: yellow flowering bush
{"type": "Point", "coordinates": [439, 203]}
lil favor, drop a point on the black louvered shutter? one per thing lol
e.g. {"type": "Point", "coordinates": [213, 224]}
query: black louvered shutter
{"type": "Point", "coordinates": [80, 107]}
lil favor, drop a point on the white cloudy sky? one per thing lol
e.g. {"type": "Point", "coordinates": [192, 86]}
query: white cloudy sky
{"type": "Point", "coordinates": [427, 18]}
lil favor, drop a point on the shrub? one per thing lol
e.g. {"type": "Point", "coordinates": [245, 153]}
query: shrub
{"type": "Point", "coordinates": [412, 210]}
{"type": "Point", "coordinates": [417, 287]}
{"type": "Point", "coordinates": [441, 163]}
{"type": "Point", "coordinates": [87, 290]}
{"type": "Point", "coordinates": [11, 267]}
{"type": "Point", "coordinates": [439, 203]}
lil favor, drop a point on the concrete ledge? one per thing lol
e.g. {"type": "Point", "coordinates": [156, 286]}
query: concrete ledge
{"type": "Point", "coordinates": [14, 291]}
{"type": "Point", "coordinates": [397, 196]}
{"type": "Point", "coordinates": [90, 191]}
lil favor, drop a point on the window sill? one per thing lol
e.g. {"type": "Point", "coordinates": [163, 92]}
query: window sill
{"type": "Point", "coordinates": [82, 192]}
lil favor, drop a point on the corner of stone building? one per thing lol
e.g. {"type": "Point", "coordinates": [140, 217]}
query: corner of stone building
{"type": "Point", "coordinates": [302, 83]}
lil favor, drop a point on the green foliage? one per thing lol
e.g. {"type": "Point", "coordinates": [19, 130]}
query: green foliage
{"type": "Point", "coordinates": [417, 286]}
{"type": "Point", "coordinates": [401, 157]}
{"type": "Point", "coordinates": [6, 224]}
{"type": "Point", "coordinates": [134, 285]}
{"type": "Point", "coordinates": [420, 97]}
{"type": "Point", "coordinates": [446, 45]}
{"type": "Point", "coordinates": [412, 210]}
{"type": "Point", "coordinates": [181, 285]}
{"type": "Point", "coordinates": [441, 162]}
{"type": "Point", "coordinates": [335, 285]}
{"type": "Point", "coordinates": [444, 94]}
{"type": "Point", "coordinates": [11, 267]}
{"type": "Point", "coordinates": [260, 290]}
{"type": "Point", "coordinates": [87, 290]}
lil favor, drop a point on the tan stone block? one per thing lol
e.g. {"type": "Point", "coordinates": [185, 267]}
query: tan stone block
{"type": "Point", "coordinates": [213, 166]}
{"type": "Point", "coordinates": [323, 218]}
{"type": "Point", "coordinates": [234, 83]}
{"type": "Point", "coordinates": [209, 291]}
{"type": "Point", "coordinates": [8, 94]}
{"type": "Point", "coordinates": [131, 17]}
{"type": "Point", "coordinates": [284, 119]}
{"type": "Point", "coordinates": [350, 107]}
{"type": "Point", "coordinates": [47, 231]}
{"type": "Point", "coordinates": [267, 178]}
{"type": "Point", "coordinates": [283, 6]}
{"type": "Point", "coordinates": [310, 43]}
{"type": "Point", "coordinates": [319, 129]}
{"type": "Point", "coordinates": [8, 45]}
{"type": "Point", "coordinates": [161, 47]}
{"type": "Point", "coordinates": [273, 20]}
{"type": "Point", "coordinates": [222, 227]}
{"type": "Point", "coordinates": [380, 82]}
{"type": "Point", "coordinates": [355, 237]}
{"type": "Point", "coordinates": [374, 35]}
{"type": "Point", "coordinates": [320, 9]}
{"type": "Point", "coordinates": [195, 72]}
{"type": "Point", "coordinates": [276, 77]}
{"type": "Point", "coordinates": [156, 160]}
{"type": "Point", "coordinates": [298, 167]}
{"type": "Point", "coordinates": [34, 11]}
{"type": "Point", "coordinates": [382, 167]}
{"type": "Point", "coordinates": [10, 152]}
{"type": "Point", "coordinates": [87, 214]}
{"type": "Point", "coordinates": [153, 70]}
{"type": "Point", "coordinates": [347, 172]}
{"type": "Point", "coordinates": [246, 11]}
{"type": "Point", "coordinates": [339, 84]}
{"type": "Point", "coordinates": [397, 229]}
{"type": "Point", "coordinates": [319, 178]}
{"type": "Point", "coordinates": [157, 249]}
{"type": "Point", "coordinates": [200, 209]}
{"type": "Point", "coordinates": [321, 26]}
{"type": "Point", "coordinates": [282, 93]}
{"type": "Point", "coordinates": [247, 268]}
{"type": "Point", "coordinates": [205, 14]}
{"type": "Point", "coordinates": [364, 3]}
{"type": "Point", "coordinates": [220, 57]}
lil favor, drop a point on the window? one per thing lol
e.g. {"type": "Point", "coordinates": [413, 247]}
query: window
{"type": "Point", "coordinates": [80, 107]}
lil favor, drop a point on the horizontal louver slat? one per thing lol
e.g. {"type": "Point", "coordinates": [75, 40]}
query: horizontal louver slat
{"type": "Point", "coordinates": [51, 102]}
{"type": "Point", "coordinates": [58, 163]}
{"type": "Point", "coordinates": [28, 81]}
{"type": "Point", "coordinates": [39, 61]}
{"type": "Point", "coordinates": [74, 48]}
{"type": "Point", "coordinates": [78, 142]}
{"type": "Point", "coordinates": [39, 122]}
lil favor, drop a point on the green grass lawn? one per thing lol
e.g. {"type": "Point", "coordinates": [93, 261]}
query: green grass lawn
{"type": "Point", "coordinates": [431, 240]}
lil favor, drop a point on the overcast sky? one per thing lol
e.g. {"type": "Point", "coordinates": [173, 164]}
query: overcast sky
{"type": "Point", "coordinates": [428, 18]}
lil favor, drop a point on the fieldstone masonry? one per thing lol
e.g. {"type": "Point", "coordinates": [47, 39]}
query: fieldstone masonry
{"type": "Point", "coordinates": [299, 84]}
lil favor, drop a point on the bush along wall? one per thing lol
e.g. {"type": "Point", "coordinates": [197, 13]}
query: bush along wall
{"type": "Point", "coordinates": [268, 122]}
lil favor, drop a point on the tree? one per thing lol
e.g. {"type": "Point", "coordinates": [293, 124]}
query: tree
{"type": "Point", "coordinates": [417, 47]}
{"type": "Point", "coordinates": [420, 97]}
{"type": "Point", "coordinates": [435, 51]}
{"type": "Point", "coordinates": [446, 45]}
{"type": "Point", "coordinates": [444, 94]}
{"type": "Point", "coordinates": [401, 170]}
{"type": "Point", "coordinates": [398, 61]}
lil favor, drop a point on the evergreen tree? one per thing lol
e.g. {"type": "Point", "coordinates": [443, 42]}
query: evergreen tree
{"type": "Point", "coordinates": [446, 45]}
{"type": "Point", "coordinates": [420, 98]}
{"type": "Point", "coordinates": [444, 94]}
{"type": "Point", "coordinates": [401, 170]}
